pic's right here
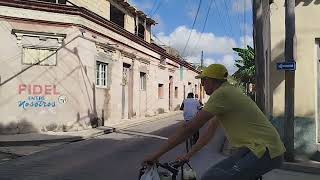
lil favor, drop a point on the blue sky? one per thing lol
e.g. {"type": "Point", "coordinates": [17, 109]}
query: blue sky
{"type": "Point", "coordinates": [229, 24]}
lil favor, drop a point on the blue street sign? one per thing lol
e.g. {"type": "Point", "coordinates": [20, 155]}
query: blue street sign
{"type": "Point", "coordinates": [287, 66]}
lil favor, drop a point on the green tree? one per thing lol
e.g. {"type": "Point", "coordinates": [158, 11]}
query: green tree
{"type": "Point", "coordinates": [246, 67]}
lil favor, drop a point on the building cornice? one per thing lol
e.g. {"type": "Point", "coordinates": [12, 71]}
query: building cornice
{"type": "Point", "coordinates": [91, 16]}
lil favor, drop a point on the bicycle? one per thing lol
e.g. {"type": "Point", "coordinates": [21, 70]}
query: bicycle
{"type": "Point", "coordinates": [192, 141]}
{"type": "Point", "coordinates": [172, 167]}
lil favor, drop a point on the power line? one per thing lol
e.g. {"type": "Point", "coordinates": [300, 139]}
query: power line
{"type": "Point", "coordinates": [239, 19]}
{"type": "Point", "coordinates": [158, 7]}
{"type": "Point", "coordinates": [153, 6]}
{"type": "Point", "coordinates": [205, 23]}
{"type": "Point", "coordinates": [228, 16]}
{"type": "Point", "coordinates": [194, 22]}
{"type": "Point", "coordinates": [219, 15]}
{"type": "Point", "coordinates": [159, 39]}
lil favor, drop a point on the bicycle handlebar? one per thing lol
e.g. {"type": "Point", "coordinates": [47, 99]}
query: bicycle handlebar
{"type": "Point", "coordinates": [171, 166]}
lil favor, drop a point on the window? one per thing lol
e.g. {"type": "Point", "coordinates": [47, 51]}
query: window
{"type": "Point", "coordinates": [102, 70]}
{"type": "Point", "coordinates": [116, 16]}
{"type": "Point", "coordinates": [190, 89]}
{"type": "Point", "coordinates": [141, 31]}
{"type": "Point", "coordinates": [196, 89]}
{"type": "Point", "coordinates": [39, 56]}
{"type": "Point", "coordinates": [143, 81]}
{"type": "Point", "coordinates": [160, 91]}
{"type": "Point", "coordinates": [176, 92]}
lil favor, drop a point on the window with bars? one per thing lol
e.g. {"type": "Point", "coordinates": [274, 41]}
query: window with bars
{"type": "Point", "coordinates": [143, 81]}
{"type": "Point", "coordinates": [39, 56]}
{"type": "Point", "coordinates": [102, 74]}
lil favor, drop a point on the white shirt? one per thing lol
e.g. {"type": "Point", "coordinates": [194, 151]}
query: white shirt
{"type": "Point", "coordinates": [190, 108]}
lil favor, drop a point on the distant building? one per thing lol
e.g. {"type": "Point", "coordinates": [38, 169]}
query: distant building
{"type": "Point", "coordinates": [71, 65]}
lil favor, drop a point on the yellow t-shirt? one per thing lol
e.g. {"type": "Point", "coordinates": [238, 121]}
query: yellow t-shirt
{"type": "Point", "coordinates": [244, 123]}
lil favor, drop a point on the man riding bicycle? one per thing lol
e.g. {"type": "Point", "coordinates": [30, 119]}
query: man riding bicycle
{"type": "Point", "coordinates": [246, 127]}
{"type": "Point", "coordinates": [190, 107]}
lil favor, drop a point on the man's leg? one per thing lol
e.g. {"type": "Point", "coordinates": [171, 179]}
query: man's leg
{"type": "Point", "coordinates": [195, 137]}
{"type": "Point", "coordinates": [220, 170]}
{"type": "Point", "coordinates": [187, 145]}
{"type": "Point", "coordinates": [245, 166]}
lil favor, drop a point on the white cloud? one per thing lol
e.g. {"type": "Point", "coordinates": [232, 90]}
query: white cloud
{"type": "Point", "coordinates": [241, 5]}
{"type": "Point", "coordinates": [246, 40]}
{"type": "Point", "coordinates": [160, 26]}
{"type": "Point", "coordinates": [192, 13]}
{"type": "Point", "coordinates": [227, 60]}
{"type": "Point", "coordinates": [209, 43]}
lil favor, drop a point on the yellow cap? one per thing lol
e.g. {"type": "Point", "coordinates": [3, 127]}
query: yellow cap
{"type": "Point", "coordinates": [216, 71]}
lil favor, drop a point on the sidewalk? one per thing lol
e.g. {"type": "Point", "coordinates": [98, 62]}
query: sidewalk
{"type": "Point", "coordinates": [124, 124]}
{"type": "Point", "coordinates": [58, 137]}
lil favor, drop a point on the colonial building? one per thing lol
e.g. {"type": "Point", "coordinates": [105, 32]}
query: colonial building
{"type": "Point", "coordinates": [307, 83]}
{"type": "Point", "coordinates": [70, 65]}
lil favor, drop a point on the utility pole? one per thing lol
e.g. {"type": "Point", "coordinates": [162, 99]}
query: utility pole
{"type": "Point", "coordinates": [245, 23]}
{"type": "Point", "coordinates": [201, 62]}
{"type": "Point", "coordinates": [201, 68]}
{"type": "Point", "coordinates": [261, 38]}
{"type": "Point", "coordinates": [290, 47]}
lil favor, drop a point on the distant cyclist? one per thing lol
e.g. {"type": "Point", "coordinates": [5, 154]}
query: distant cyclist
{"type": "Point", "coordinates": [246, 127]}
{"type": "Point", "coordinates": [196, 96]}
{"type": "Point", "coordinates": [190, 107]}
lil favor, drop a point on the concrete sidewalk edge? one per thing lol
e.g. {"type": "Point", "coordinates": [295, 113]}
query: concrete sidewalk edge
{"type": "Point", "coordinates": [137, 122]}
{"type": "Point", "coordinates": [56, 140]}
{"type": "Point", "coordinates": [313, 168]}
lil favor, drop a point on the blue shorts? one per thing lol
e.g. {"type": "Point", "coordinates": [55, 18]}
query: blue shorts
{"type": "Point", "coordinates": [242, 165]}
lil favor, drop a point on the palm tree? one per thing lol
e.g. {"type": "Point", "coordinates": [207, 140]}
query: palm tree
{"type": "Point", "coordinates": [247, 70]}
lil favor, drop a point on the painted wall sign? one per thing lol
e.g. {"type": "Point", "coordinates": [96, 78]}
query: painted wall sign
{"type": "Point", "coordinates": [36, 102]}
{"type": "Point", "coordinates": [34, 89]}
{"type": "Point", "coordinates": [39, 96]}
{"type": "Point", "coordinates": [62, 99]}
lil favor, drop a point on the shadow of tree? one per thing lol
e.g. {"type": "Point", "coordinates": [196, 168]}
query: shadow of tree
{"type": "Point", "coordinates": [307, 2]}
{"type": "Point", "coordinates": [277, 77]}
{"type": "Point", "coordinates": [21, 127]}
{"type": "Point", "coordinates": [304, 134]}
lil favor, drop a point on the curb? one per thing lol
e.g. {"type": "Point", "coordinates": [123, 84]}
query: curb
{"type": "Point", "coordinates": [147, 120]}
{"type": "Point", "coordinates": [302, 167]}
{"type": "Point", "coordinates": [58, 140]}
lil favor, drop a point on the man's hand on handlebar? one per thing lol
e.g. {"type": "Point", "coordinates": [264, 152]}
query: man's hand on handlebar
{"type": "Point", "coordinates": [150, 160]}
{"type": "Point", "coordinates": [184, 158]}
